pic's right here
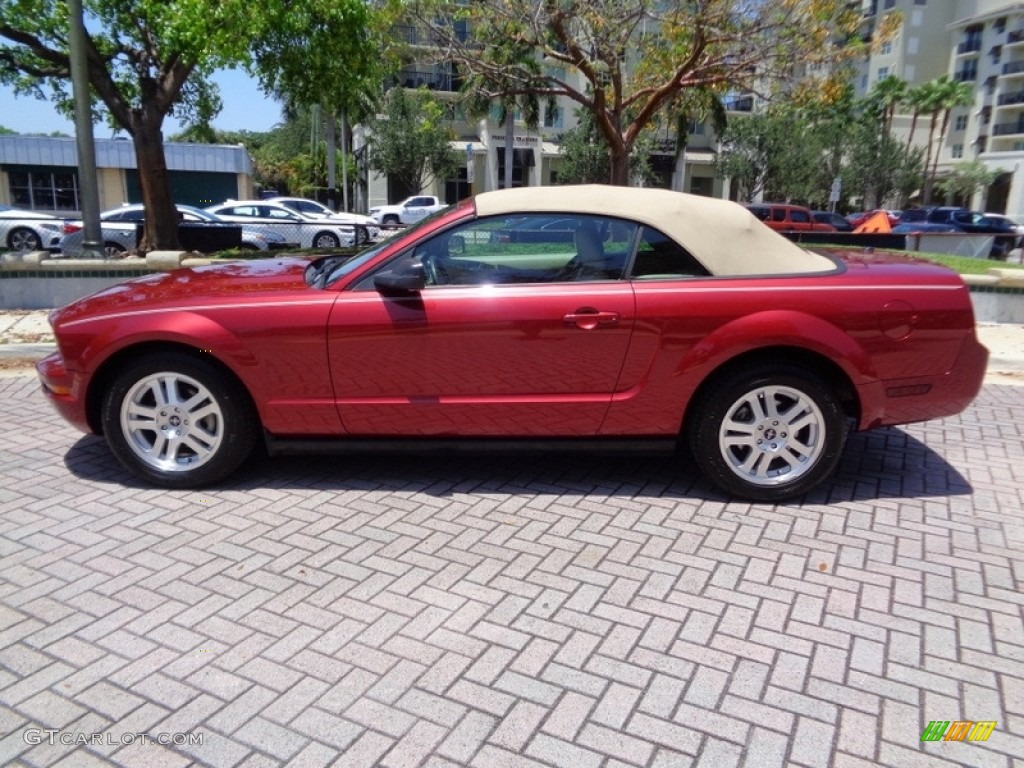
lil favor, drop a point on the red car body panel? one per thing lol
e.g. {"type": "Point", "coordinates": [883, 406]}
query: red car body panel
{"type": "Point", "coordinates": [610, 358]}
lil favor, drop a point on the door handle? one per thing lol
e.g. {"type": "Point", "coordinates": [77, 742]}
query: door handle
{"type": "Point", "coordinates": [588, 319]}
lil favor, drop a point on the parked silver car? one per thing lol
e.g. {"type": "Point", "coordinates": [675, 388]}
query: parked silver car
{"type": "Point", "coordinates": [120, 231]}
{"type": "Point", "coordinates": [308, 231]}
{"type": "Point", "coordinates": [28, 230]}
{"type": "Point", "coordinates": [319, 210]}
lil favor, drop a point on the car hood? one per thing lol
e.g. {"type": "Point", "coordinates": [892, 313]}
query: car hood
{"type": "Point", "coordinates": [192, 287]}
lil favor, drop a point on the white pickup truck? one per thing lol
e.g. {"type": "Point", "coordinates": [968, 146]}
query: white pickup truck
{"type": "Point", "coordinates": [409, 211]}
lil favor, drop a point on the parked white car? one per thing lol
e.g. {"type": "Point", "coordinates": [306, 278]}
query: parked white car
{"type": "Point", "coordinates": [119, 228]}
{"type": "Point", "coordinates": [307, 231]}
{"type": "Point", "coordinates": [28, 230]}
{"type": "Point", "coordinates": [319, 210]}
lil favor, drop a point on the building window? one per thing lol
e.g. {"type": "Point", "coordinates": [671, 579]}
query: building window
{"type": "Point", "coordinates": [886, 48]}
{"type": "Point", "coordinates": [1000, 25]}
{"type": "Point", "coordinates": [961, 123]}
{"type": "Point", "coordinates": [864, 82]}
{"type": "Point", "coordinates": [45, 190]}
{"type": "Point", "coordinates": [552, 117]}
{"type": "Point", "coordinates": [920, 2]}
{"type": "Point", "coordinates": [958, 151]}
{"type": "Point", "coordinates": [696, 128]}
{"type": "Point", "coordinates": [883, 72]}
{"type": "Point", "coordinates": [889, 4]}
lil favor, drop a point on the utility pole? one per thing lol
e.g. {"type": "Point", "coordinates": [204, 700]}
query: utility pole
{"type": "Point", "coordinates": [88, 188]}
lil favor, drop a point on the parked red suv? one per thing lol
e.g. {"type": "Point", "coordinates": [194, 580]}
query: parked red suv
{"type": "Point", "coordinates": [783, 217]}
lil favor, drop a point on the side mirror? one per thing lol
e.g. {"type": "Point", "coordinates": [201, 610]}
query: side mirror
{"type": "Point", "coordinates": [405, 281]}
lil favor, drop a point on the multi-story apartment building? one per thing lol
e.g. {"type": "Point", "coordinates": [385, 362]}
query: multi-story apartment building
{"type": "Point", "coordinates": [537, 151]}
{"type": "Point", "coordinates": [973, 41]}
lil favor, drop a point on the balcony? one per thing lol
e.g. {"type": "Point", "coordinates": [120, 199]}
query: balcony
{"type": "Point", "coordinates": [969, 46]}
{"type": "Point", "coordinates": [1017, 36]}
{"type": "Point", "coordinates": [1013, 68]}
{"type": "Point", "coordinates": [742, 104]}
{"type": "Point", "coordinates": [1008, 129]}
{"type": "Point", "coordinates": [433, 81]}
{"type": "Point", "coordinates": [966, 76]}
{"type": "Point", "coordinates": [1010, 98]}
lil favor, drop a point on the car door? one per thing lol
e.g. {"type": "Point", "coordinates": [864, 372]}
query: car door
{"type": "Point", "coordinates": [504, 338]}
{"type": "Point", "coordinates": [417, 208]}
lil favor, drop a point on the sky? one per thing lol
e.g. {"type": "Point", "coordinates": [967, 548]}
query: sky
{"type": "Point", "coordinates": [245, 108]}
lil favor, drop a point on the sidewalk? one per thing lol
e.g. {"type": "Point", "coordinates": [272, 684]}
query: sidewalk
{"type": "Point", "coordinates": [25, 336]}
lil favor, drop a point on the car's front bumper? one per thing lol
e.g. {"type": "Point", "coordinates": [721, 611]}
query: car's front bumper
{"type": "Point", "coordinates": [65, 389]}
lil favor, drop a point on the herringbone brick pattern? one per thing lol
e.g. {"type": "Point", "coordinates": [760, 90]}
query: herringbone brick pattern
{"type": "Point", "coordinates": [493, 612]}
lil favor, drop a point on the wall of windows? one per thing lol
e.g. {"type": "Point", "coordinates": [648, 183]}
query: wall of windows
{"type": "Point", "coordinates": [44, 189]}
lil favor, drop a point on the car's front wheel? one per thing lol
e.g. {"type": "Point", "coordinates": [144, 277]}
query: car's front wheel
{"type": "Point", "coordinates": [326, 240]}
{"type": "Point", "coordinates": [177, 421]}
{"type": "Point", "coordinates": [23, 239]}
{"type": "Point", "coordinates": [768, 433]}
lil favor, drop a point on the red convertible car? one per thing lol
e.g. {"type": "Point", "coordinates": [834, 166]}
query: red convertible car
{"type": "Point", "coordinates": [585, 318]}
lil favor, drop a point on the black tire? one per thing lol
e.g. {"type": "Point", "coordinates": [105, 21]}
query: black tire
{"type": "Point", "coordinates": [115, 250]}
{"type": "Point", "coordinates": [196, 444]}
{"type": "Point", "coordinates": [326, 240]}
{"type": "Point", "coordinates": [362, 235]}
{"type": "Point", "coordinates": [23, 239]}
{"type": "Point", "coordinates": [391, 221]}
{"type": "Point", "coordinates": [758, 458]}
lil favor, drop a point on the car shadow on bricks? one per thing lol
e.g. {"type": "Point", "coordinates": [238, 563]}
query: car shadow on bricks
{"type": "Point", "coordinates": [884, 463]}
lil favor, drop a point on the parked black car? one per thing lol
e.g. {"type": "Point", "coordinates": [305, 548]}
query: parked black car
{"type": "Point", "coordinates": [1006, 237]}
{"type": "Point", "coordinates": [837, 221]}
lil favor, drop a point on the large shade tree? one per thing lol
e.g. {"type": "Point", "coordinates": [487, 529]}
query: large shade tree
{"type": "Point", "coordinates": [146, 60]}
{"type": "Point", "coordinates": [624, 61]}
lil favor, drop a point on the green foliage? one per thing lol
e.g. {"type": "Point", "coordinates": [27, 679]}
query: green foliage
{"type": "Point", "coordinates": [794, 153]}
{"type": "Point", "coordinates": [968, 178]}
{"type": "Point", "coordinates": [585, 157]}
{"type": "Point", "coordinates": [410, 140]}
{"type": "Point", "coordinates": [636, 58]}
{"type": "Point", "coordinates": [328, 52]}
{"type": "Point", "coordinates": [146, 54]}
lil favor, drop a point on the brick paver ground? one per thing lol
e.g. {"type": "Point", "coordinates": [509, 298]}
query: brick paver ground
{"type": "Point", "coordinates": [454, 611]}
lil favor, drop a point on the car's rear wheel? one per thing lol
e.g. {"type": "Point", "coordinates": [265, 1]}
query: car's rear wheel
{"type": "Point", "coordinates": [177, 421]}
{"type": "Point", "coordinates": [391, 221]}
{"type": "Point", "coordinates": [114, 250]}
{"type": "Point", "coordinates": [768, 433]}
{"type": "Point", "coordinates": [23, 239]}
{"type": "Point", "coordinates": [326, 240]}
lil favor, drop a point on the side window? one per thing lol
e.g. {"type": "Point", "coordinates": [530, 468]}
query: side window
{"type": "Point", "coordinates": [535, 248]}
{"type": "Point", "coordinates": [799, 217]}
{"type": "Point", "coordinates": [759, 212]}
{"type": "Point", "coordinates": [658, 256]}
{"type": "Point", "coordinates": [778, 214]}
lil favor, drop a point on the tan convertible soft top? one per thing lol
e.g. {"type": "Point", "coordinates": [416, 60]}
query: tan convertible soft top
{"type": "Point", "coordinates": [723, 235]}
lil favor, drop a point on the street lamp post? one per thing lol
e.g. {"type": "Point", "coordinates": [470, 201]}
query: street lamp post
{"type": "Point", "coordinates": [88, 189]}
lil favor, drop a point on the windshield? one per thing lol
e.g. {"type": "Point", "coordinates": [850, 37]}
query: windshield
{"type": "Point", "coordinates": [325, 272]}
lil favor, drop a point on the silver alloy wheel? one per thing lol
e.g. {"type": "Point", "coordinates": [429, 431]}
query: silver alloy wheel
{"type": "Point", "coordinates": [326, 240]}
{"type": "Point", "coordinates": [772, 435]}
{"type": "Point", "coordinates": [22, 239]}
{"type": "Point", "coordinates": [171, 422]}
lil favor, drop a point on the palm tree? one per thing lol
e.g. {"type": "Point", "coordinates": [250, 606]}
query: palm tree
{"type": "Point", "coordinates": [480, 90]}
{"type": "Point", "coordinates": [919, 100]}
{"type": "Point", "coordinates": [885, 96]}
{"type": "Point", "coordinates": [951, 94]}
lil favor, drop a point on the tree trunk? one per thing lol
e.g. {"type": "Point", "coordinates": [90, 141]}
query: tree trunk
{"type": "Point", "coordinates": [329, 140]}
{"type": "Point", "coordinates": [618, 164]}
{"type": "Point", "coordinates": [161, 231]}
{"type": "Point", "coordinates": [510, 138]}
